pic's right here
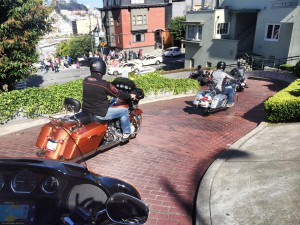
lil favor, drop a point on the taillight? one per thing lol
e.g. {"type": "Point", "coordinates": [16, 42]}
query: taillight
{"type": "Point", "coordinates": [205, 98]}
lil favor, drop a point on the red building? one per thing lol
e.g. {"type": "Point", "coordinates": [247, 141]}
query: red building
{"type": "Point", "coordinates": [133, 25]}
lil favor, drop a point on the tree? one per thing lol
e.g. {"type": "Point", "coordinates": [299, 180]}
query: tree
{"type": "Point", "coordinates": [177, 27]}
{"type": "Point", "coordinates": [22, 24]}
{"type": "Point", "coordinates": [75, 47]}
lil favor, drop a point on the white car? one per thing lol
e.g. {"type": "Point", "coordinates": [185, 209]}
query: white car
{"type": "Point", "coordinates": [129, 67]}
{"type": "Point", "coordinates": [172, 51]}
{"type": "Point", "coordinates": [151, 60]}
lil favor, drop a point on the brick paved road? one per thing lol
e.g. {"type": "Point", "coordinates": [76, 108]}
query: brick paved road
{"type": "Point", "coordinates": [170, 155]}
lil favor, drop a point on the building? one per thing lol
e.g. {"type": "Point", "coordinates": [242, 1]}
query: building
{"type": "Point", "coordinates": [226, 30]}
{"type": "Point", "coordinates": [134, 24]}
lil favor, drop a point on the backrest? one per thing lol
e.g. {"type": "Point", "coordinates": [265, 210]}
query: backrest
{"type": "Point", "coordinates": [72, 105]}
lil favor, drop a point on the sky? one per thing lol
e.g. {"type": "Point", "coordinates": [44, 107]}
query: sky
{"type": "Point", "coordinates": [91, 3]}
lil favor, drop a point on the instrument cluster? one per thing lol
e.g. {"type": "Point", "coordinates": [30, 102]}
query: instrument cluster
{"type": "Point", "coordinates": [26, 181]}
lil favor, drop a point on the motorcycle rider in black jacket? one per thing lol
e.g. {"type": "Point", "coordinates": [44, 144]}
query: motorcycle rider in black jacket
{"type": "Point", "coordinates": [95, 97]}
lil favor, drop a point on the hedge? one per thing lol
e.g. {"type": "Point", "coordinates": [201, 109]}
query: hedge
{"type": "Point", "coordinates": [284, 106]}
{"type": "Point", "coordinates": [31, 102]}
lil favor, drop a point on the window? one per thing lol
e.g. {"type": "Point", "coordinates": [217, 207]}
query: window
{"type": "Point", "coordinates": [223, 28]}
{"type": "Point", "coordinates": [194, 32]}
{"type": "Point", "coordinates": [272, 32]}
{"type": "Point", "coordinates": [137, 1]}
{"type": "Point", "coordinates": [138, 37]}
{"type": "Point", "coordinates": [139, 20]}
{"type": "Point", "coordinates": [111, 21]}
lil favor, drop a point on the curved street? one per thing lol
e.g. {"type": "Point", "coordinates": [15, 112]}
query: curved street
{"type": "Point", "coordinates": [173, 150]}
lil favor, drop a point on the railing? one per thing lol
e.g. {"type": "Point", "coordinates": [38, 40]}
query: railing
{"type": "Point", "coordinates": [260, 63]}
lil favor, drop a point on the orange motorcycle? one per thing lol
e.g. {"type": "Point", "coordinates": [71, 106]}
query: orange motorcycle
{"type": "Point", "coordinates": [72, 136]}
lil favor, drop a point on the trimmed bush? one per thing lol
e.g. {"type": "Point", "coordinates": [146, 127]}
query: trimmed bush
{"type": "Point", "coordinates": [297, 68]}
{"type": "Point", "coordinates": [287, 67]}
{"type": "Point", "coordinates": [285, 105]}
{"type": "Point", "coordinates": [49, 100]}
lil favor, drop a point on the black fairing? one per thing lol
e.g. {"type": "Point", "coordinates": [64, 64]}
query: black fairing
{"type": "Point", "coordinates": [114, 185]}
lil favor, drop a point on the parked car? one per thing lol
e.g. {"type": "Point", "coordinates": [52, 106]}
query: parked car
{"type": "Point", "coordinates": [37, 65]}
{"type": "Point", "coordinates": [151, 60]}
{"type": "Point", "coordinates": [172, 51]}
{"type": "Point", "coordinates": [129, 67]}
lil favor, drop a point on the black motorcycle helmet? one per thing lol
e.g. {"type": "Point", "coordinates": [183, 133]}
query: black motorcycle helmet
{"type": "Point", "coordinates": [98, 66]}
{"type": "Point", "coordinates": [221, 65]}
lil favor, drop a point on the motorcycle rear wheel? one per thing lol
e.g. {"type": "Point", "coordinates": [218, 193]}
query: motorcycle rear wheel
{"type": "Point", "coordinates": [205, 111]}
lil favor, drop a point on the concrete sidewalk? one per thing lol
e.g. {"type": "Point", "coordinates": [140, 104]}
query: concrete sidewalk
{"type": "Point", "coordinates": [256, 181]}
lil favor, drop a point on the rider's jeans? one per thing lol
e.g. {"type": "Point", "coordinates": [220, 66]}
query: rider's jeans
{"type": "Point", "coordinates": [121, 113]}
{"type": "Point", "coordinates": [229, 91]}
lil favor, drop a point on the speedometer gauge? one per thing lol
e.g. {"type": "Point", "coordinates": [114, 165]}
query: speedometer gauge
{"type": "Point", "coordinates": [50, 185]}
{"type": "Point", "coordinates": [24, 182]}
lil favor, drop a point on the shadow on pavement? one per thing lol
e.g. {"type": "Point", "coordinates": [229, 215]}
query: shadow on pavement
{"type": "Point", "coordinates": [35, 81]}
{"type": "Point", "coordinates": [276, 85]}
{"type": "Point", "coordinates": [256, 114]}
{"type": "Point", "coordinates": [233, 153]}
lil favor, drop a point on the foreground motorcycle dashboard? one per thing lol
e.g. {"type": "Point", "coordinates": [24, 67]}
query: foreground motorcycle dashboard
{"type": "Point", "coordinates": [42, 192]}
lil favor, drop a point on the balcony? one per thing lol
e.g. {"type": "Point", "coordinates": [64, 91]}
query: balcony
{"type": "Point", "coordinates": [198, 42]}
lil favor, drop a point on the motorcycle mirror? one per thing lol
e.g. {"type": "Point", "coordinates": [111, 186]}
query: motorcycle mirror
{"type": "Point", "coordinates": [125, 209]}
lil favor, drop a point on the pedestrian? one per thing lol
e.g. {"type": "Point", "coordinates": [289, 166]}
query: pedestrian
{"type": "Point", "coordinates": [77, 63]}
{"type": "Point", "coordinates": [55, 64]}
{"type": "Point", "coordinates": [125, 55]}
{"type": "Point", "coordinates": [125, 71]}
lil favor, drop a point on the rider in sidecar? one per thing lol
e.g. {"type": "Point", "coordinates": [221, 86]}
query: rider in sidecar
{"type": "Point", "coordinates": [223, 84]}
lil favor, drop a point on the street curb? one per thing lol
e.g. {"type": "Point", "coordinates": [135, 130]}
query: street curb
{"type": "Point", "coordinates": [25, 123]}
{"type": "Point", "coordinates": [202, 212]}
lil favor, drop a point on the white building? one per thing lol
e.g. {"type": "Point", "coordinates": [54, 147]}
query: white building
{"type": "Point", "coordinates": [225, 30]}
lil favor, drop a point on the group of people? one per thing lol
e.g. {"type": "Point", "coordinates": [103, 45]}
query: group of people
{"type": "Point", "coordinates": [96, 92]}
{"type": "Point", "coordinates": [222, 79]}
{"type": "Point", "coordinates": [56, 63]}
{"type": "Point", "coordinates": [122, 56]}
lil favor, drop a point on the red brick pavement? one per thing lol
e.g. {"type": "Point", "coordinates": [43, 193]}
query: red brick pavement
{"type": "Point", "coordinates": [172, 152]}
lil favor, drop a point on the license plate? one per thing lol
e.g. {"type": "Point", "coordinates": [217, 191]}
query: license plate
{"type": "Point", "coordinates": [242, 84]}
{"type": "Point", "coordinates": [51, 146]}
{"type": "Point", "coordinates": [204, 104]}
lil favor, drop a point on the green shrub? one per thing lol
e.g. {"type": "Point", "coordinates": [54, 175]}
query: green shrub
{"type": "Point", "coordinates": [297, 68]}
{"type": "Point", "coordinates": [285, 105]}
{"type": "Point", "coordinates": [287, 67]}
{"type": "Point", "coordinates": [49, 100]}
